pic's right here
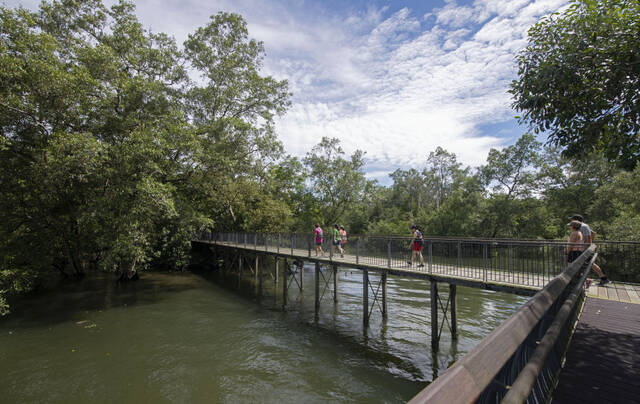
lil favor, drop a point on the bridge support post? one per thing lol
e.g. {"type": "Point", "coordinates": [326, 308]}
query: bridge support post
{"type": "Point", "coordinates": [275, 270]}
{"type": "Point", "coordinates": [301, 277]}
{"type": "Point", "coordinates": [435, 338]}
{"type": "Point", "coordinates": [240, 258]}
{"type": "Point", "coordinates": [317, 296]}
{"type": "Point", "coordinates": [255, 272]}
{"type": "Point", "coordinates": [384, 294]}
{"type": "Point", "coordinates": [365, 298]}
{"type": "Point", "coordinates": [285, 274]}
{"type": "Point", "coordinates": [335, 283]}
{"type": "Point", "coordinates": [454, 317]}
{"type": "Point", "coordinates": [260, 282]}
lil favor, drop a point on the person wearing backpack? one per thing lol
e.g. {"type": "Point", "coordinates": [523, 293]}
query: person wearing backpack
{"type": "Point", "coordinates": [416, 246]}
{"type": "Point", "coordinates": [343, 240]}
{"type": "Point", "coordinates": [319, 235]}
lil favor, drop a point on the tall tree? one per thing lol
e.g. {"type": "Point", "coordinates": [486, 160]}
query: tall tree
{"type": "Point", "coordinates": [336, 182]}
{"type": "Point", "coordinates": [579, 79]}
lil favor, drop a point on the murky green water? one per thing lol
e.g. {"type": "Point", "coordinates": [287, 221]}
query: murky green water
{"type": "Point", "coordinates": [186, 338]}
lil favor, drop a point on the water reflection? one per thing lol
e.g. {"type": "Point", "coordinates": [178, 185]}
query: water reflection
{"type": "Point", "coordinates": [210, 337]}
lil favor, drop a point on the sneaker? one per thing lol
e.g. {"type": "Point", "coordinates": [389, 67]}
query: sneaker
{"type": "Point", "coordinates": [420, 266]}
{"type": "Point", "coordinates": [604, 282]}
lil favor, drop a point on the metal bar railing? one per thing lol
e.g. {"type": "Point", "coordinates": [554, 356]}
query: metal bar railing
{"type": "Point", "coordinates": [533, 263]}
{"type": "Point", "coordinates": [485, 373]}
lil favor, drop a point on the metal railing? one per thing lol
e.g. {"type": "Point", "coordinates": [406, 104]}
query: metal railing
{"type": "Point", "coordinates": [531, 263]}
{"type": "Point", "coordinates": [521, 359]}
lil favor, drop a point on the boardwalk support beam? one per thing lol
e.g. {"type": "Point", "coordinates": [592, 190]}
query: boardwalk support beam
{"type": "Point", "coordinates": [365, 298]}
{"type": "Point", "coordinates": [435, 337]}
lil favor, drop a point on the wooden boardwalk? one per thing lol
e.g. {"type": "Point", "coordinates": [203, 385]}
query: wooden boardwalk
{"type": "Point", "coordinates": [603, 361]}
{"type": "Point", "coordinates": [619, 292]}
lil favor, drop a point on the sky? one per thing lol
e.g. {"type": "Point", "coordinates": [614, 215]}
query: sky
{"type": "Point", "coordinates": [393, 78]}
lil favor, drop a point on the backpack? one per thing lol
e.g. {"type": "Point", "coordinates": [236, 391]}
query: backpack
{"type": "Point", "coordinates": [419, 240]}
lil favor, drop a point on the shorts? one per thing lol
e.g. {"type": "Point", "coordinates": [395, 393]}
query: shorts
{"type": "Point", "coordinates": [573, 255]}
{"type": "Point", "coordinates": [318, 241]}
{"type": "Point", "coordinates": [417, 246]}
{"type": "Point", "coordinates": [337, 242]}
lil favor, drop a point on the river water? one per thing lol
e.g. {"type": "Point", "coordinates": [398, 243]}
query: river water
{"type": "Point", "coordinates": [193, 338]}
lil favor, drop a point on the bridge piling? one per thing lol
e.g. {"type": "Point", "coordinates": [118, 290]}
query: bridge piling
{"type": "Point", "coordinates": [454, 317]}
{"type": "Point", "coordinates": [365, 298]}
{"type": "Point", "coordinates": [384, 294]}
{"type": "Point", "coordinates": [435, 338]}
{"type": "Point", "coordinates": [317, 295]}
{"type": "Point", "coordinates": [285, 275]}
{"type": "Point", "coordinates": [335, 284]}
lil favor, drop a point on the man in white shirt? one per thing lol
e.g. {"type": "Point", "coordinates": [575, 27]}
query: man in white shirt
{"type": "Point", "coordinates": [587, 237]}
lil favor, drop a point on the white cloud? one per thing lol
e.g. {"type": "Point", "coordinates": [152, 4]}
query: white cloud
{"type": "Point", "coordinates": [394, 84]}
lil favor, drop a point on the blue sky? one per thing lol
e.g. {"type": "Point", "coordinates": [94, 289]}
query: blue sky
{"type": "Point", "coordinates": [395, 79]}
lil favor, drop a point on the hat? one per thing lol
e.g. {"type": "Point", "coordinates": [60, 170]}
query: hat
{"type": "Point", "coordinates": [577, 217]}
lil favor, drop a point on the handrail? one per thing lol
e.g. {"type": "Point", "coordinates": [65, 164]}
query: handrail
{"type": "Point", "coordinates": [524, 384]}
{"type": "Point", "coordinates": [477, 374]}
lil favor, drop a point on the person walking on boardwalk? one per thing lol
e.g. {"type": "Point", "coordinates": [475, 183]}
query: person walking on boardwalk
{"type": "Point", "coordinates": [574, 245]}
{"type": "Point", "coordinates": [319, 237]}
{"type": "Point", "coordinates": [587, 239]}
{"type": "Point", "coordinates": [416, 246]}
{"type": "Point", "coordinates": [337, 240]}
{"type": "Point", "coordinates": [343, 239]}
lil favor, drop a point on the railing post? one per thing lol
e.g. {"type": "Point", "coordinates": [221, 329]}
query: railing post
{"type": "Point", "coordinates": [293, 237]}
{"type": "Point", "coordinates": [245, 240]}
{"type": "Point", "coordinates": [255, 241]}
{"type": "Point", "coordinates": [309, 241]}
{"type": "Point", "coordinates": [279, 242]}
{"type": "Point", "coordinates": [485, 253]}
{"type": "Point", "coordinates": [389, 253]}
{"type": "Point", "coordinates": [430, 255]}
{"type": "Point", "coordinates": [358, 250]}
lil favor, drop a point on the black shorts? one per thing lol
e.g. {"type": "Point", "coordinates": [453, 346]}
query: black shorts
{"type": "Point", "coordinates": [337, 242]}
{"type": "Point", "coordinates": [573, 255]}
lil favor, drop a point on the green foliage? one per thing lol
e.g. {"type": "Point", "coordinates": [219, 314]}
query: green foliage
{"type": "Point", "coordinates": [110, 156]}
{"type": "Point", "coordinates": [336, 182]}
{"type": "Point", "coordinates": [579, 79]}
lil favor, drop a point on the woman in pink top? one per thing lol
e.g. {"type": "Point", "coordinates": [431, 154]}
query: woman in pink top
{"type": "Point", "coordinates": [319, 234]}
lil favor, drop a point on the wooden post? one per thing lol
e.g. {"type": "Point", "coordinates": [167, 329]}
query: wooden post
{"type": "Point", "coordinates": [454, 318]}
{"type": "Point", "coordinates": [335, 283]}
{"type": "Point", "coordinates": [384, 294]}
{"type": "Point", "coordinates": [317, 290]}
{"type": "Point", "coordinates": [365, 297]}
{"type": "Point", "coordinates": [434, 315]}
{"type": "Point", "coordinates": [285, 274]}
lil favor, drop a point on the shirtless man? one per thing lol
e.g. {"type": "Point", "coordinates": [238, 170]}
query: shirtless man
{"type": "Point", "coordinates": [587, 239]}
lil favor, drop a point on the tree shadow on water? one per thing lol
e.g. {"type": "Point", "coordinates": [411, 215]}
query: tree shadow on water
{"type": "Point", "coordinates": [96, 292]}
